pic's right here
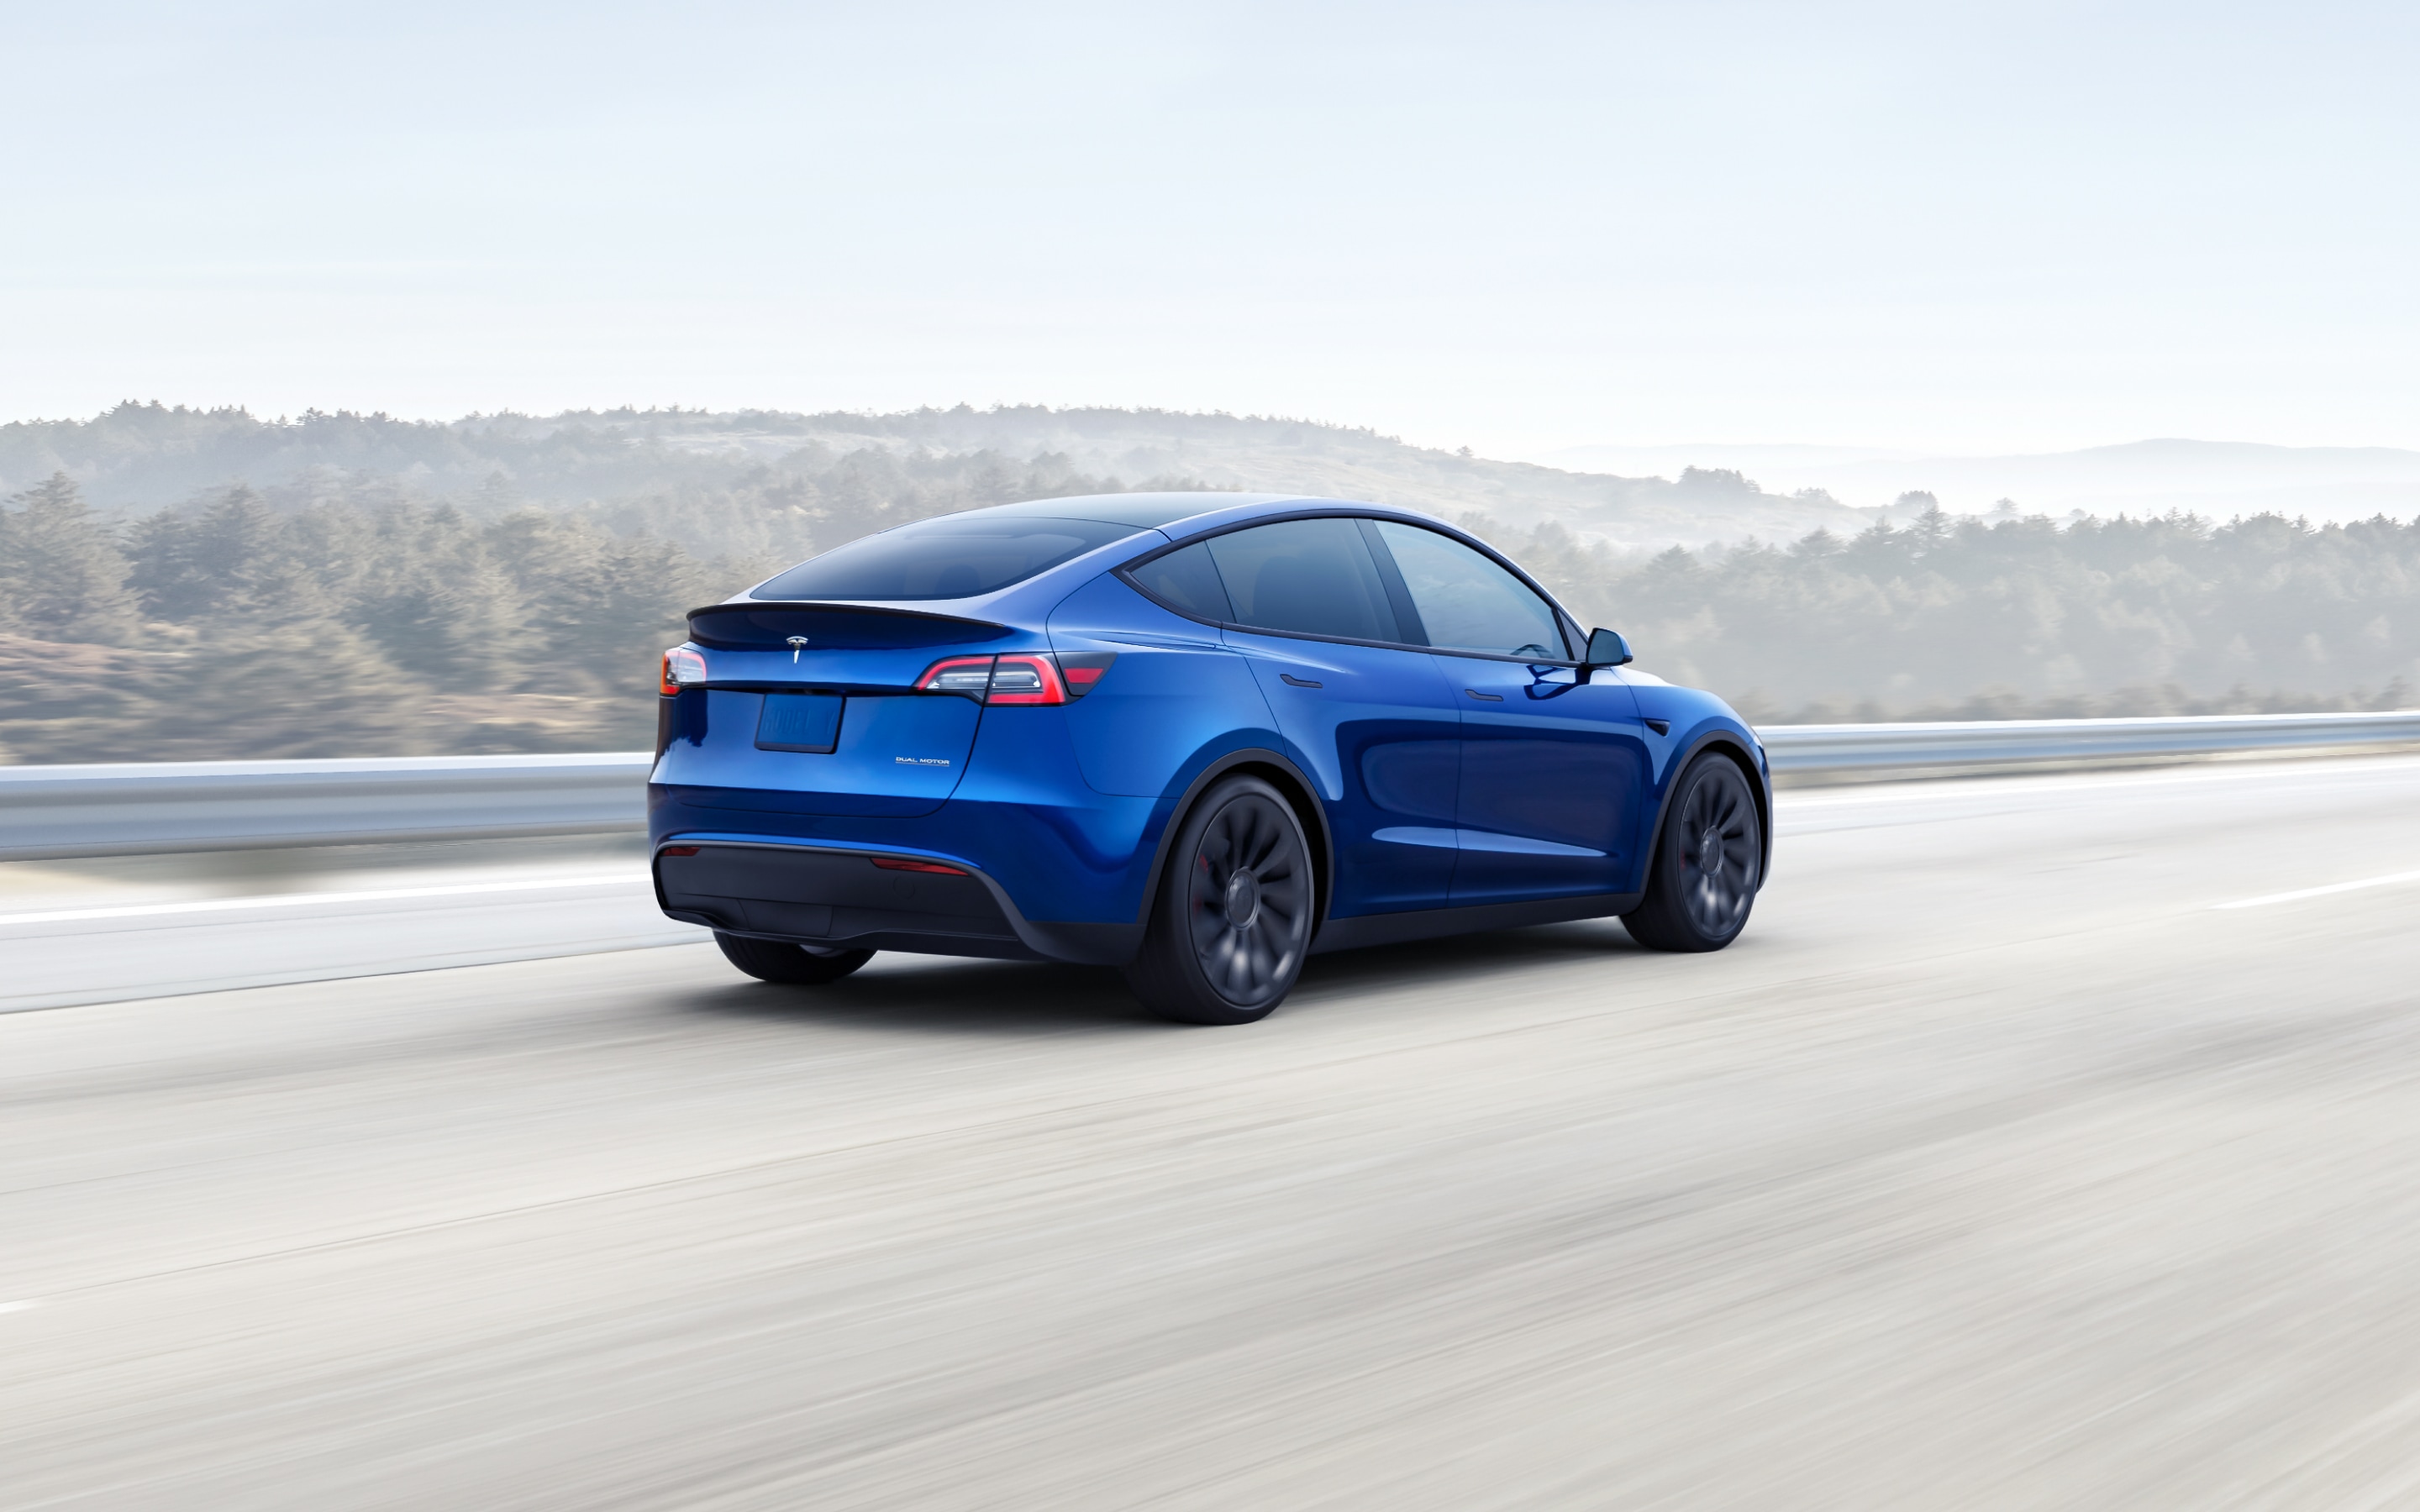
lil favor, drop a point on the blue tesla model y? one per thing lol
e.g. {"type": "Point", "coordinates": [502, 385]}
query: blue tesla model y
{"type": "Point", "coordinates": [1196, 736]}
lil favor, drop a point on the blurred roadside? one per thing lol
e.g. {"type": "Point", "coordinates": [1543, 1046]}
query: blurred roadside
{"type": "Point", "coordinates": [109, 929]}
{"type": "Point", "coordinates": [123, 881]}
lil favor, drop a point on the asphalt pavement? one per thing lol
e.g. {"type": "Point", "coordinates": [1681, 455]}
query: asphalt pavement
{"type": "Point", "coordinates": [2046, 1142]}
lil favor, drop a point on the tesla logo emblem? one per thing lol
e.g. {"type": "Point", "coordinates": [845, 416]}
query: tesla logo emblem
{"type": "Point", "coordinates": [797, 643]}
{"type": "Point", "coordinates": [920, 761]}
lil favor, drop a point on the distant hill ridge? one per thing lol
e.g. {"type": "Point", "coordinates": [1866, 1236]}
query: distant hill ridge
{"type": "Point", "coordinates": [2217, 480]}
{"type": "Point", "coordinates": [138, 458]}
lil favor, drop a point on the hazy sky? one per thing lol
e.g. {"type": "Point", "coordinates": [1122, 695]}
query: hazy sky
{"type": "Point", "coordinates": [1997, 228]}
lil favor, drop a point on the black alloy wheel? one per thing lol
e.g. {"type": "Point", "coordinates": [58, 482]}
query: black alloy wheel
{"type": "Point", "coordinates": [1233, 921]}
{"type": "Point", "coordinates": [792, 966]}
{"type": "Point", "coordinates": [1709, 861]}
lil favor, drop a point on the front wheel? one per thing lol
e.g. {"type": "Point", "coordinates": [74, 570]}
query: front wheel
{"type": "Point", "coordinates": [792, 965]}
{"type": "Point", "coordinates": [1232, 920]}
{"type": "Point", "coordinates": [1708, 862]}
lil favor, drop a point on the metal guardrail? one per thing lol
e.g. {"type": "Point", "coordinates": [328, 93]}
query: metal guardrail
{"type": "Point", "coordinates": [1847, 750]}
{"type": "Point", "coordinates": [145, 807]}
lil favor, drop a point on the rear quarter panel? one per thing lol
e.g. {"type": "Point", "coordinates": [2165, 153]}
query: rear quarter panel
{"type": "Point", "coordinates": [1175, 700]}
{"type": "Point", "coordinates": [1060, 849]}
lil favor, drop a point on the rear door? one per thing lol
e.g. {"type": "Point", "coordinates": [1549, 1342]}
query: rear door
{"type": "Point", "coordinates": [1552, 770]}
{"type": "Point", "coordinates": [1373, 719]}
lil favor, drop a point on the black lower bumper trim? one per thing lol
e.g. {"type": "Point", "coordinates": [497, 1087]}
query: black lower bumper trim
{"type": "Point", "coordinates": [841, 899]}
{"type": "Point", "coordinates": [814, 895]}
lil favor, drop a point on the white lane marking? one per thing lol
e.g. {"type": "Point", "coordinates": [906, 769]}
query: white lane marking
{"type": "Point", "coordinates": [2300, 893]}
{"type": "Point", "coordinates": [20, 1306]}
{"type": "Point", "coordinates": [305, 900]}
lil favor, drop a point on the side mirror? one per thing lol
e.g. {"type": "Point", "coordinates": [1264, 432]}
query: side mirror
{"type": "Point", "coordinates": [1606, 648]}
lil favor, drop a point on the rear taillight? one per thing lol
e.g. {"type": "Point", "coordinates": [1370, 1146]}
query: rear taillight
{"type": "Point", "coordinates": [970, 675]}
{"type": "Point", "coordinates": [683, 667]}
{"type": "Point", "coordinates": [1020, 677]}
{"type": "Point", "coordinates": [1082, 672]}
{"type": "Point", "coordinates": [1027, 679]}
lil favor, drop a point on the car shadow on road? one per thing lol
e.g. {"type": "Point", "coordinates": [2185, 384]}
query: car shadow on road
{"type": "Point", "coordinates": [939, 995]}
{"type": "Point", "coordinates": [1466, 958]}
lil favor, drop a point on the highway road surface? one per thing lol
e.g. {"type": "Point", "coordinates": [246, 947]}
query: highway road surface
{"type": "Point", "coordinates": [2046, 1142]}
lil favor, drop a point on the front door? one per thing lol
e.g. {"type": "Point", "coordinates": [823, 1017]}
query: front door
{"type": "Point", "coordinates": [1551, 775]}
{"type": "Point", "coordinates": [1552, 769]}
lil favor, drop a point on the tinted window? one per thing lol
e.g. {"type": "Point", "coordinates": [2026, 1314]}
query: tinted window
{"type": "Point", "coordinates": [953, 557]}
{"type": "Point", "coordinates": [1311, 576]}
{"type": "Point", "coordinates": [1186, 581]}
{"type": "Point", "coordinates": [1467, 602]}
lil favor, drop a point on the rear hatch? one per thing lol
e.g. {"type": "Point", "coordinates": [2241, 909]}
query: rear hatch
{"type": "Point", "coordinates": [815, 708]}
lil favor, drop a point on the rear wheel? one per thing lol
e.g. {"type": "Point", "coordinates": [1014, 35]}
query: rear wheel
{"type": "Point", "coordinates": [793, 964]}
{"type": "Point", "coordinates": [1707, 862]}
{"type": "Point", "coordinates": [1232, 925]}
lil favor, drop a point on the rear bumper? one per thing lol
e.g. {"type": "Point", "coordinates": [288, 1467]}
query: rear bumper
{"type": "Point", "coordinates": [835, 897]}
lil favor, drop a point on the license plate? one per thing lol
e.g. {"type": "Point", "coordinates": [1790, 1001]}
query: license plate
{"type": "Point", "coordinates": [808, 722]}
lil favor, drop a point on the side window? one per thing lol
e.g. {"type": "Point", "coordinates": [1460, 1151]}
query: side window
{"type": "Point", "coordinates": [1186, 581]}
{"type": "Point", "coordinates": [1468, 603]}
{"type": "Point", "coordinates": [1314, 576]}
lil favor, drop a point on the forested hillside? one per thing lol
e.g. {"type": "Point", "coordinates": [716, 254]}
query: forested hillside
{"type": "Point", "coordinates": [423, 597]}
{"type": "Point", "coordinates": [343, 630]}
{"type": "Point", "coordinates": [1949, 618]}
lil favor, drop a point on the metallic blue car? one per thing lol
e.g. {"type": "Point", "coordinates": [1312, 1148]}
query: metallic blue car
{"type": "Point", "coordinates": [1196, 736]}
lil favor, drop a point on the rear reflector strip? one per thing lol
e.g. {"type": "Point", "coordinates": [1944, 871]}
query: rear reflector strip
{"type": "Point", "coordinates": [887, 863]}
{"type": "Point", "coordinates": [902, 863]}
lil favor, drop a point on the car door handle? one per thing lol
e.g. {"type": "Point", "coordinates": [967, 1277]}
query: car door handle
{"type": "Point", "coordinates": [1291, 681]}
{"type": "Point", "coordinates": [1484, 698]}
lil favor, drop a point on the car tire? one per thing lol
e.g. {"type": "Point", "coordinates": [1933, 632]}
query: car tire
{"type": "Point", "coordinates": [792, 966]}
{"type": "Point", "coordinates": [1233, 921]}
{"type": "Point", "coordinates": [1708, 864]}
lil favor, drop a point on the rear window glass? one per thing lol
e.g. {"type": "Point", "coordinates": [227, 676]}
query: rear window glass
{"type": "Point", "coordinates": [1186, 581]}
{"type": "Point", "coordinates": [1312, 577]}
{"type": "Point", "coordinates": [946, 558]}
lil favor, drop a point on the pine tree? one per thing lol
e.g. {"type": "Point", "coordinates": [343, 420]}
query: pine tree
{"type": "Point", "coordinates": [62, 576]}
{"type": "Point", "coordinates": [188, 565]}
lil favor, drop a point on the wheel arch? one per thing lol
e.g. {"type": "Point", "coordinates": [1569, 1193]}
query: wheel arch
{"type": "Point", "coordinates": [1281, 774]}
{"type": "Point", "coordinates": [1730, 744]}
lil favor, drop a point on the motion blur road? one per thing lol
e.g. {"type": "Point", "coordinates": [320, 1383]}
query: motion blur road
{"type": "Point", "coordinates": [1995, 1166]}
